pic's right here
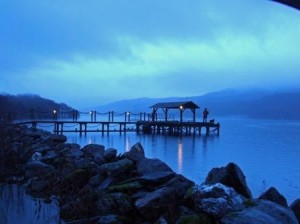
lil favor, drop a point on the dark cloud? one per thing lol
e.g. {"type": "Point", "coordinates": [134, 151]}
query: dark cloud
{"type": "Point", "coordinates": [144, 48]}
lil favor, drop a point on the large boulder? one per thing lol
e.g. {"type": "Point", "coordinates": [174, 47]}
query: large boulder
{"type": "Point", "coordinates": [116, 168]}
{"type": "Point", "coordinates": [188, 216]}
{"type": "Point", "coordinates": [75, 181]}
{"type": "Point", "coordinates": [231, 176]}
{"type": "Point", "coordinates": [273, 195]}
{"type": "Point", "coordinates": [152, 204]}
{"type": "Point", "coordinates": [156, 178]}
{"type": "Point", "coordinates": [50, 156]}
{"type": "Point", "coordinates": [80, 209]}
{"type": "Point", "coordinates": [216, 200]}
{"type": "Point", "coordinates": [112, 219]}
{"type": "Point", "coordinates": [146, 166]}
{"type": "Point", "coordinates": [295, 206]}
{"type": "Point", "coordinates": [136, 152]}
{"type": "Point", "coordinates": [261, 212]}
{"type": "Point", "coordinates": [54, 139]}
{"type": "Point", "coordinates": [71, 152]}
{"type": "Point", "coordinates": [110, 154]}
{"type": "Point", "coordinates": [114, 203]}
{"type": "Point", "coordinates": [180, 185]}
{"type": "Point", "coordinates": [37, 169]}
{"type": "Point", "coordinates": [93, 150]}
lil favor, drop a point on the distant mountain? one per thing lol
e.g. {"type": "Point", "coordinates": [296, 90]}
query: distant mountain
{"type": "Point", "coordinates": [252, 103]}
{"type": "Point", "coordinates": [30, 106]}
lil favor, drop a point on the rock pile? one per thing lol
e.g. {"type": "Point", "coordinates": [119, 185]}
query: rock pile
{"type": "Point", "coordinates": [98, 185]}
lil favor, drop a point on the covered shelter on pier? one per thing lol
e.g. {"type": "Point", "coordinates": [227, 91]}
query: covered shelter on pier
{"type": "Point", "coordinates": [181, 106]}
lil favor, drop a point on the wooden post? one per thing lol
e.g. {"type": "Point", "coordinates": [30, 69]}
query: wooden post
{"type": "Point", "coordinates": [207, 130]}
{"type": "Point", "coordinates": [181, 112]}
{"type": "Point", "coordinates": [194, 115]}
{"type": "Point", "coordinates": [91, 113]}
{"type": "Point", "coordinates": [80, 129]}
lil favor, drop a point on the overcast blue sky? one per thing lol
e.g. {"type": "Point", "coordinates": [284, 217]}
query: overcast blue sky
{"type": "Point", "coordinates": [91, 52]}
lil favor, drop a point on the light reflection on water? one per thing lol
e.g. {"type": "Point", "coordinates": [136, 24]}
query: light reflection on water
{"type": "Point", "coordinates": [267, 151]}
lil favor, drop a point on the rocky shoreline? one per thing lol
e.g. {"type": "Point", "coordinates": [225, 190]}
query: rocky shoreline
{"type": "Point", "coordinates": [98, 185]}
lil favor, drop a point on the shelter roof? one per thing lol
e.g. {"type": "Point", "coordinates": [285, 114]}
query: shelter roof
{"type": "Point", "coordinates": [176, 105]}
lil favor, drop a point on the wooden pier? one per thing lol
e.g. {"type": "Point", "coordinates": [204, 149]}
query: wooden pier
{"type": "Point", "coordinates": [146, 127]}
{"type": "Point", "coordinates": [147, 123]}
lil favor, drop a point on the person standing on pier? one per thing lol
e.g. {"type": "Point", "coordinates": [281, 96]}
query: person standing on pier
{"type": "Point", "coordinates": [205, 114]}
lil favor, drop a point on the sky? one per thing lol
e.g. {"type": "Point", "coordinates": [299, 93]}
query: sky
{"type": "Point", "coordinates": [92, 52]}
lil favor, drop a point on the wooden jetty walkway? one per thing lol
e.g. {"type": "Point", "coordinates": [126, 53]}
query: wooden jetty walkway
{"type": "Point", "coordinates": [146, 127]}
{"type": "Point", "coordinates": [143, 123]}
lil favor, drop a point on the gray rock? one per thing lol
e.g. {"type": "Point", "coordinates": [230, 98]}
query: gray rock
{"type": "Point", "coordinates": [231, 176]}
{"type": "Point", "coordinates": [146, 166]}
{"type": "Point", "coordinates": [273, 195]}
{"type": "Point", "coordinates": [261, 212]}
{"type": "Point", "coordinates": [42, 148]}
{"type": "Point", "coordinates": [99, 159]}
{"type": "Point", "coordinates": [180, 185]}
{"type": "Point", "coordinates": [114, 203]}
{"type": "Point", "coordinates": [111, 219]}
{"type": "Point", "coordinates": [54, 139]}
{"type": "Point", "coordinates": [58, 138]}
{"type": "Point", "coordinates": [116, 168]}
{"type": "Point", "coordinates": [93, 150]}
{"type": "Point", "coordinates": [37, 169]}
{"type": "Point", "coordinates": [71, 151]}
{"type": "Point", "coordinates": [83, 163]}
{"type": "Point", "coordinates": [50, 156]}
{"type": "Point", "coordinates": [37, 156]}
{"type": "Point", "coordinates": [37, 185]}
{"type": "Point", "coordinates": [79, 209]}
{"type": "Point", "coordinates": [152, 204]}
{"type": "Point", "coordinates": [136, 152]}
{"type": "Point", "coordinates": [216, 200]}
{"type": "Point", "coordinates": [295, 206]}
{"type": "Point", "coordinates": [188, 216]}
{"type": "Point", "coordinates": [110, 154]}
{"type": "Point", "coordinates": [156, 178]}
{"type": "Point", "coordinates": [109, 181]}
{"type": "Point", "coordinates": [96, 180]}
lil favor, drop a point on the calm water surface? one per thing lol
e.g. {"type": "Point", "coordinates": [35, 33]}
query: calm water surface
{"type": "Point", "coordinates": [267, 151]}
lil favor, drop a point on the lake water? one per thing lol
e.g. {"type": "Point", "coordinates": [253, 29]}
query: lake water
{"type": "Point", "coordinates": [267, 151]}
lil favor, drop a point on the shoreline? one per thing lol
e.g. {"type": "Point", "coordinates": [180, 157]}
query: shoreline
{"type": "Point", "coordinates": [102, 178]}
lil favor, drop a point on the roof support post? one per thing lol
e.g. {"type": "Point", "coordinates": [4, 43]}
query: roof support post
{"type": "Point", "coordinates": [194, 114]}
{"type": "Point", "coordinates": [181, 114]}
{"type": "Point", "coordinates": [166, 113]}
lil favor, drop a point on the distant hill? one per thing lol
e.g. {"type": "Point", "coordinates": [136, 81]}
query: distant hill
{"type": "Point", "coordinates": [252, 103]}
{"type": "Point", "coordinates": [27, 105]}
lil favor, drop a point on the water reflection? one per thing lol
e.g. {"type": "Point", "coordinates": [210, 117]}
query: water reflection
{"type": "Point", "coordinates": [180, 156]}
{"type": "Point", "coordinates": [18, 207]}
